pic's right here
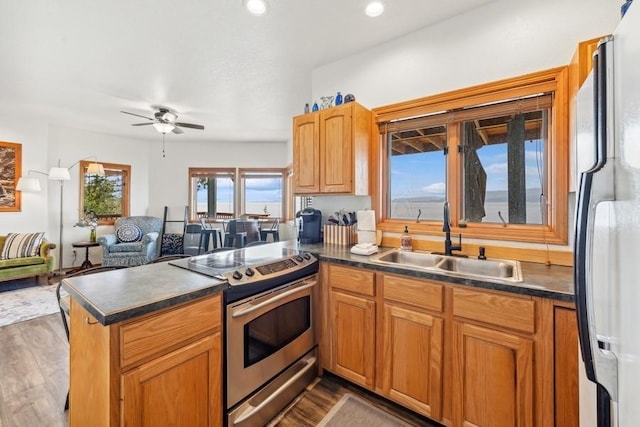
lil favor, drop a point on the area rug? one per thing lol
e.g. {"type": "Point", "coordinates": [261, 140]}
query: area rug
{"type": "Point", "coordinates": [27, 303]}
{"type": "Point", "coordinates": [352, 411]}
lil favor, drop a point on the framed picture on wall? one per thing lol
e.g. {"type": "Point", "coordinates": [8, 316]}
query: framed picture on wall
{"type": "Point", "coordinates": [10, 171]}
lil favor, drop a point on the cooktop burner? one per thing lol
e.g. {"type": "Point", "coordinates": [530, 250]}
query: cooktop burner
{"type": "Point", "coordinates": [262, 267]}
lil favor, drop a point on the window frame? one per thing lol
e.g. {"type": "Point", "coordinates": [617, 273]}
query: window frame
{"type": "Point", "coordinates": [556, 231]}
{"type": "Point", "coordinates": [238, 175]}
{"type": "Point", "coordinates": [126, 184]}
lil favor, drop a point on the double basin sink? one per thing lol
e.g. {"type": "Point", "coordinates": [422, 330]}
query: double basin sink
{"type": "Point", "coordinates": [492, 268]}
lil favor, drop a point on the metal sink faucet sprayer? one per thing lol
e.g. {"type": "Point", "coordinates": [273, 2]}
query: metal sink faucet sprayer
{"type": "Point", "coordinates": [446, 227]}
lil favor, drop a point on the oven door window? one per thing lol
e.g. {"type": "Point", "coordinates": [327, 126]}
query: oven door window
{"type": "Point", "coordinates": [275, 329]}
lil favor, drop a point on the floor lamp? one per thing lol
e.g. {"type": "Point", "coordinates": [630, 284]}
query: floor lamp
{"type": "Point", "coordinates": [60, 174]}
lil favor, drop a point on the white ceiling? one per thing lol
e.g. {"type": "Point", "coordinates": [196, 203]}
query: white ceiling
{"type": "Point", "coordinates": [78, 63]}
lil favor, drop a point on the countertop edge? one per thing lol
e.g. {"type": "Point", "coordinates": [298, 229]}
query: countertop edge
{"type": "Point", "coordinates": [106, 319]}
{"type": "Point", "coordinates": [337, 255]}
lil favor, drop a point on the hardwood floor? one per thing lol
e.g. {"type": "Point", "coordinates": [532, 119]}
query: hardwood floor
{"type": "Point", "coordinates": [34, 373]}
{"type": "Point", "coordinates": [312, 405]}
{"type": "Point", "coordinates": [34, 376]}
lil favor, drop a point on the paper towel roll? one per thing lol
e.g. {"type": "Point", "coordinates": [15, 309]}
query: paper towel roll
{"type": "Point", "coordinates": [366, 220]}
{"type": "Point", "coordinates": [366, 236]}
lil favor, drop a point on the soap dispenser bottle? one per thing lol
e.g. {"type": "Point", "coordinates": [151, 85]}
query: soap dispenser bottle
{"type": "Point", "coordinates": [405, 240]}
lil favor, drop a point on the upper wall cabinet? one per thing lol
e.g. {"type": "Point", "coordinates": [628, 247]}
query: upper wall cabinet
{"type": "Point", "coordinates": [331, 151]}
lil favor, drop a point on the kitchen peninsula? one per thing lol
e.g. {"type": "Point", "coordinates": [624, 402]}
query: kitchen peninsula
{"type": "Point", "coordinates": [139, 335]}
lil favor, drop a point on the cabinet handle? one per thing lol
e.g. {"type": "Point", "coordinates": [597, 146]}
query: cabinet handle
{"type": "Point", "coordinates": [89, 322]}
{"type": "Point", "coordinates": [252, 308]}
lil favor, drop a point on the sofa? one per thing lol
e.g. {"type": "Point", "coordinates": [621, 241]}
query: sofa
{"type": "Point", "coordinates": [30, 257]}
{"type": "Point", "coordinates": [134, 241]}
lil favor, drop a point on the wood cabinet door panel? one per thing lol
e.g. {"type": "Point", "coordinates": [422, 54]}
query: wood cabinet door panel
{"type": "Point", "coordinates": [356, 280]}
{"type": "Point", "coordinates": [157, 333]}
{"type": "Point", "coordinates": [493, 378]}
{"type": "Point", "coordinates": [412, 359]}
{"type": "Point", "coordinates": [353, 337]}
{"type": "Point", "coordinates": [419, 293]}
{"type": "Point", "coordinates": [501, 310]}
{"type": "Point", "coordinates": [179, 388]}
{"type": "Point", "coordinates": [306, 150]}
{"type": "Point", "coordinates": [336, 148]}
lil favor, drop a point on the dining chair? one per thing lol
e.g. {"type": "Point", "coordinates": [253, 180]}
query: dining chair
{"type": "Point", "coordinates": [273, 230]}
{"type": "Point", "coordinates": [209, 230]}
{"type": "Point", "coordinates": [64, 303]}
{"type": "Point", "coordinates": [234, 235]}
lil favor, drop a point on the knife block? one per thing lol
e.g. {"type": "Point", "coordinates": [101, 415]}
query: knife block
{"type": "Point", "coordinates": [340, 234]}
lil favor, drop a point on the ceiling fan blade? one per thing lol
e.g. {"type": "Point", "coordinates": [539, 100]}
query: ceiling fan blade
{"type": "Point", "coordinates": [177, 130]}
{"type": "Point", "coordinates": [189, 125]}
{"type": "Point", "coordinates": [137, 115]}
{"type": "Point", "coordinates": [141, 124]}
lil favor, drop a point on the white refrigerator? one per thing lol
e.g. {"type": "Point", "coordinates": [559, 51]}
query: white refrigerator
{"type": "Point", "coordinates": [607, 229]}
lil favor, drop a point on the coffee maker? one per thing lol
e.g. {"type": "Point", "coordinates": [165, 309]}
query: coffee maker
{"type": "Point", "coordinates": [310, 225]}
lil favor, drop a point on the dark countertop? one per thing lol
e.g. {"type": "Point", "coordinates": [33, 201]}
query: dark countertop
{"type": "Point", "coordinates": [118, 295]}
{"type": "Point", "coordinates": [554, 282]}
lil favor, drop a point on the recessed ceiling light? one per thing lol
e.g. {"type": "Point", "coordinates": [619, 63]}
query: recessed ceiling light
{"type": "Point", "coordinates": [257, 7]}
{"type": "Point", "coordinates": [374, 8]}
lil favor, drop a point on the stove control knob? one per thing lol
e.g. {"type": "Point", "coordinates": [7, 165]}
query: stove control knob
{"type": "Point", "coordinates": [250, 272]}
{"type": "Point", "coordinates": [298, 258]}
{"type": "Point", "coordinates": [306, 256]}
{"type": "Point", "coordinates": [237, 275]}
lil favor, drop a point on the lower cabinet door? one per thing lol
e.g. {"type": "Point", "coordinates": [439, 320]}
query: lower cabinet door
{"type": "Point", "coordinates": [181, 388]}
{"type": "Point", "coordinates": [412, 359]}
{"type": "Point", "coordinates": [353, 337]}
{"type": "Point", "coordinates": [493, 378]}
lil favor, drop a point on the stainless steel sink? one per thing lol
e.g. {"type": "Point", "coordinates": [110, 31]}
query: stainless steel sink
{"type": "Point", "coordinates": [469, 267]}
{"type": "Point", "coordinates": [495, 268]}
{"type": "Point", "coordinates": [413, 259]}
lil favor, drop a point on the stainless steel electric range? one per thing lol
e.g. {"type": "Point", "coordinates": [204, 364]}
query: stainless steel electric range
{"type": "Point", "coordinates": [269, 332]}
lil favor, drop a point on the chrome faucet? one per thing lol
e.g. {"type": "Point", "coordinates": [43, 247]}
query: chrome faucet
{"type": "Point", "coordinates": [446, 227]}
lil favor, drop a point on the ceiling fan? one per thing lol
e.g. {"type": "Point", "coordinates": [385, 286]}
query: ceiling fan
{"type": "Point", "coordinates": [164, 121]}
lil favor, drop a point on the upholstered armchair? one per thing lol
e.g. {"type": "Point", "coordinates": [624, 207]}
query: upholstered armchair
{"type": "Point", "coordinates": [133, 242]}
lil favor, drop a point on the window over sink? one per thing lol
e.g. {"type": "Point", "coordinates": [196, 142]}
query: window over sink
{"type": "Point", "coordinates": [496, 152]}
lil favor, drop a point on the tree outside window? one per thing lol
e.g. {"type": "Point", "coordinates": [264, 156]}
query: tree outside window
{"type": "Point", "coordinates": [107, 197]}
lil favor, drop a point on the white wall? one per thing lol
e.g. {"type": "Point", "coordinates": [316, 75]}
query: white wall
{"type": "Point", "coordinates": [33, 138]}
{"type": "Point", "coordinates": [500, 40]}
{"type": "Point", "coordinates": [168, 176]}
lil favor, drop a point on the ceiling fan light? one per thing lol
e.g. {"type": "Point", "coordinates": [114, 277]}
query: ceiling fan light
{"type": "Point", "coordinates": [257, 7]}
{"type": "Point", "coordinates": [164, 128]}
{"type": "Point", "coordinates": [374, 9]}
{"type": "Point", "coordinates": [169, 116]}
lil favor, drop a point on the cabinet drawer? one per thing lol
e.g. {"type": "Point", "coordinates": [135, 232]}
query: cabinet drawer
{"type": "Point", "coordinates": [151, 335]}
{"type": "Point", "coordinates": [352, 279]}
{"type": "Point", "coordinates": [496, 309]}
{"type": "Point", "coordinates": [418, 293]}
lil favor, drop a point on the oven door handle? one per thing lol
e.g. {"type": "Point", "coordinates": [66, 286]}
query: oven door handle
{"type": "Point", "coordinates": [253, 410]}
{"type": "Point", "coordinates": [252, 308]}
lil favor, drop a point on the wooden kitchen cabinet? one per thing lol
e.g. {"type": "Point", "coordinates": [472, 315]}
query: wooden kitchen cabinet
{"type": "Point", "coordinates": [164, 368]}
{"type": "Point", "coordinates": [331, 151]}
{"type": "Point", "coordinates": [460, 355]}
{"type": "Point", "coordinates": [353, 324]}
{"type": "Point", "coordinates": [493, 348]}
{"type": "Point", "coordinates": [412, 344]}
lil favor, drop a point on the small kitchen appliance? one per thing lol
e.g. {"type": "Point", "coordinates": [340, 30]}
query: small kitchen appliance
{"type": "Point", "coordinates": [309, 231]}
